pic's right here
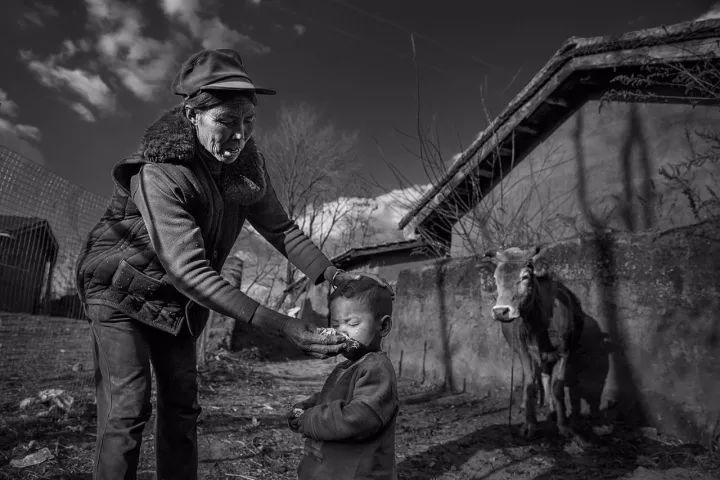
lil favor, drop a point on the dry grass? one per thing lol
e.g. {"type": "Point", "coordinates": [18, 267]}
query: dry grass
{"type": "Point", "coordinates": [243, 434]}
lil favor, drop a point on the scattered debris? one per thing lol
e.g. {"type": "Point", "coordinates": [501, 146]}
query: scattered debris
{"type": "Point", "coordinates": [650, 433]}
{"type": "Point", "coordinates": [573, 448]}
{"type": "Point", "coordinates": [35, 458]}
{"type": "Point", "coordinates": [642, 473]}
{"type": "Point", "coordinates": [440, 434]}
{"type": "Point", "coordinates": [602, 430]}
{"type": "Point", "coordinates": [57, 397]}
{"type": "Point", "coordinates": [645, 461]}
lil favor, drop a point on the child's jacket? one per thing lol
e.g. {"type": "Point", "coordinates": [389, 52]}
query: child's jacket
{"type": "Point", "coordinates": [351, 429]}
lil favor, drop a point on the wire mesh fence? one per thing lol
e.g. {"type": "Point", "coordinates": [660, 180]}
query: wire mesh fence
{"type": "Point", "coordinates": [44, 340]}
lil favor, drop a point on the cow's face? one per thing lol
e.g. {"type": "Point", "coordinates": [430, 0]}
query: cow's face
{"type": "Point", "coordinates": [516, 282]}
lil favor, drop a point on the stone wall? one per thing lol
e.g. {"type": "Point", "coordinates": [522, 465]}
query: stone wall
{"type": "Point", "coordinates": [651, 338]}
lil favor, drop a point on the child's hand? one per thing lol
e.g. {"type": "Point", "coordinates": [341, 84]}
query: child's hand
{"type": "Point", "coordinates": [293, 418]}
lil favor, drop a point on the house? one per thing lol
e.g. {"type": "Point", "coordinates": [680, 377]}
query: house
{"type": "Point", "coordinates": [613, 133]}
{"type": "Point", "coordinates": [385, 260]}
{"type": "Point", "coordinates": [610, 156]}
{"type": "Point", "coordinates": [28, 251]}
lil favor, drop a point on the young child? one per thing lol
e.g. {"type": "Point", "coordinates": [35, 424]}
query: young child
{"type": "Point", "coordinates": [350, 424]}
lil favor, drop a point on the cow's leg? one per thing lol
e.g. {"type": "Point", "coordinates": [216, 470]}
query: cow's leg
{"type": "Point", "coordinates": [558, 393]}
{"type": "Point", "coordinates": [530, 370]}
{"type": "Point", "coordinates": [547, 394]}
{"type": "Point", "coordinates": [523, 403]}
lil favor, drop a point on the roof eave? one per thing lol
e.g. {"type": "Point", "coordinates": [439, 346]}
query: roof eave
{"type": "Point", "coordinates": [542, 86]}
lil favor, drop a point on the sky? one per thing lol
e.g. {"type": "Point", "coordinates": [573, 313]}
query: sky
{"type": "Point", "coordinates": [82, 79]}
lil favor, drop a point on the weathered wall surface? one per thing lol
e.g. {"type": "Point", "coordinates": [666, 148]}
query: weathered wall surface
{"type": "Point", "coordinates": [651, 339]}
{"type": "Point", "coordinates": [602, 164]}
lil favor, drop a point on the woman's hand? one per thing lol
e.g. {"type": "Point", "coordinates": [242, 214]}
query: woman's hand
{"type": "Point", "coordinates": [302, 334]}
{"type": "Point", "coordinates": [306, 337]}
{"type": "Point", "coordinates": [347, 283]}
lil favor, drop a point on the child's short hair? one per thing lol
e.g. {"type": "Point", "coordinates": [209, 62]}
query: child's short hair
{"type": "Point", "coordinates": [373, 291]}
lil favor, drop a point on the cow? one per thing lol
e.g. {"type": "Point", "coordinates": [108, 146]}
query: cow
{"type": "Point", "coordinates": [542, 321]}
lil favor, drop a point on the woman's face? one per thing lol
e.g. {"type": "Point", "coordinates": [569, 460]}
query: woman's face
{"type": "Point", "coordinates": [224, 130]}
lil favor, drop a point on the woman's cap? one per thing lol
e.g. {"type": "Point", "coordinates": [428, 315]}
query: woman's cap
{"type": "Point", "coordinates": [220, 69]}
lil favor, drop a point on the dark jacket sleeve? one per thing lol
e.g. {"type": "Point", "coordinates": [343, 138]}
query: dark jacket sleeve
{"type": "Point", "coordinates": [271, 221]}
{"type": "Point", "coordinates": [309, 402]}
{"type": "Point", "coordinates": [176, 239]}
{"type": "Point", "coordinates": [372, 407]}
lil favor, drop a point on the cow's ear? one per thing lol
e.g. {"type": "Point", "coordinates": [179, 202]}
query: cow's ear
{"type": "Point", "coordinates": [537, 254]}
{"type": "Point", "coordinates": [540, 265]}
{"type": "Point", "coordinates": [541, 268]}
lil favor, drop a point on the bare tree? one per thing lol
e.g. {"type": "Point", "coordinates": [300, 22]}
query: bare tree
{"type": "Point", "coordinates": [313, 169]}
{"type": "Point", "coordinates": [699, 84]}
{"type": "Point", "coordinates": [507, 215]}
{"type": "Point", "coordinates": [480, 219]}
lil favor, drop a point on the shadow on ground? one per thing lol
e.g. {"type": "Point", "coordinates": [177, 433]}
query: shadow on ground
{"type": "Point", "coordinates": [495, 452]}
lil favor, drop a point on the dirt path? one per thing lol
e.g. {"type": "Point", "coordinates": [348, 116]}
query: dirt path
{"type": "Point", "coordinates": [439, 435]}
{"type": "Point", "coordinates": [243, 435]}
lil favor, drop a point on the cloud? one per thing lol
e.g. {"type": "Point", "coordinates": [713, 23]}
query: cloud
{"type": "Point", "coordinates": [90, 87]}
{"type": "Point", "coordinates": [141, 63]}
{"type": "Point", "coordinates": [83, 111]}
{"type": "Point", "coordinates": [117, 51]}
{"type": "Point", "coordinates": [37, 14]}
{"type": "Point", "coordinates": [382, 213]}
{"type": "Point", "coordinates": [8, 108]}
{"type": "Point", "coordinates": [215, 34]}
{"type": "Point", "coordinates": [714, 12]}
{"type": "Point", "coordinates": [47, 9]}
{"type": "Point", "coordinates": [299, 29]}
{"type": "Point", "coordinates": [31, 18]}
{"type": "Point", "coordinates": [211, 32]}
{"type": "Point", "coordinates": [71, 48]}
{"type": "Point", "coordinates": [25, 132]}
{"type": "Point", "coordinates": [28, 131]}
{"type": "Point", "coordinates": [17, 136]}
{"type": "Point", "coordinates": [10, 140]}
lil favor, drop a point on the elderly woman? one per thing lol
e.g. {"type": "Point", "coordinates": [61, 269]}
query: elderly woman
{"type": "Point", "coordinates": [149, 271]}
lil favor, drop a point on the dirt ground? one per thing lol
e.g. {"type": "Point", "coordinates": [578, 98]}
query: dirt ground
{"type": "Point", "coordinates": [243, 432]}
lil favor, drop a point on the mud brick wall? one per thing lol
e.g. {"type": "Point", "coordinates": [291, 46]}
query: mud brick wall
{"type": "Point", "coordinates": [651, 342]}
